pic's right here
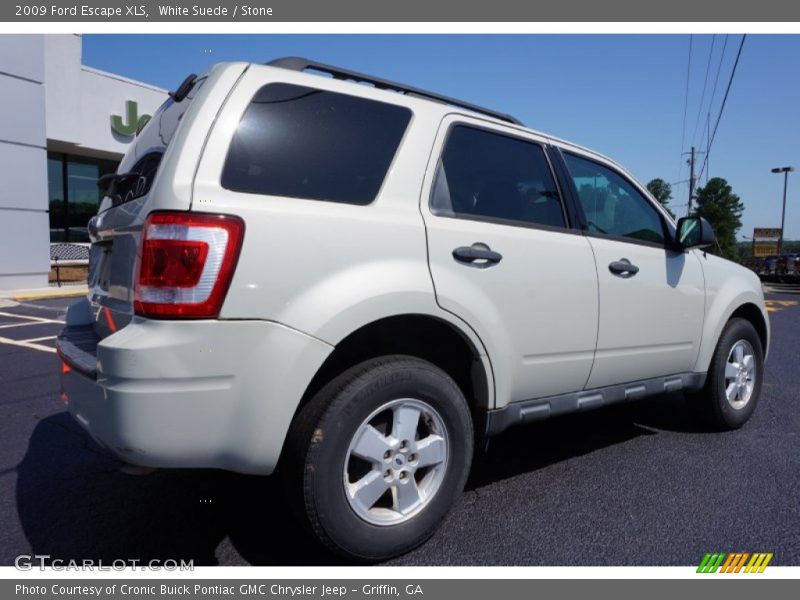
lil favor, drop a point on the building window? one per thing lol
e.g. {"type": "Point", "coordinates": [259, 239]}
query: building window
{"type": "Point", "coordinates": [74, 197]}
{"type": "Point", "coordinates": [55, 188]}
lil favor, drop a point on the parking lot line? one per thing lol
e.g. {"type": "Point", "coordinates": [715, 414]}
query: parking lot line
{"type": "Point", "coordinates": [30, 318]}
{"type": "Point", "coordinates": [27, 344]}
{"type": "Point", "coordinates": [9, 325]}
{"type": "Point", "coordinates": [778, 305]}
{"type": "Point", "coordinates": [40, 339]}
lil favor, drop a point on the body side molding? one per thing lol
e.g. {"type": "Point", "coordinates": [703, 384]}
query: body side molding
{"type": "Point", "coordinates": [538, 409]}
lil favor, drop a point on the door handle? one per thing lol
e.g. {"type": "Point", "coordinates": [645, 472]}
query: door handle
{"type": "Point", "coordinates": [623, 267]}
{"type": "Point", "coordinates": [478, 255]}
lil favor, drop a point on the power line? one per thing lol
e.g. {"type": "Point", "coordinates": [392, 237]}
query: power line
{"type": "Point", "coordinates": [708, 137]}
{"type": "Point", "coordinates": [724, 101]}
{"type": "Point", "coordinates": [707, 128]}
{"type": "Point", "coordinates": [705, 85]}
{"type": "Point", "coordinates": [685, 104]}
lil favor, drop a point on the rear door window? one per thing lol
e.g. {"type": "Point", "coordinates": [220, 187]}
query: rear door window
{"type": "Point", "coordinates": [302, 142]}
{"type": "Point", "coordinates": [489, 176]}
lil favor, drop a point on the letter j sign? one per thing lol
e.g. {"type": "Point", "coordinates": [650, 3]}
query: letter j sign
{"type": "Point", "coordinates": [133, 123]}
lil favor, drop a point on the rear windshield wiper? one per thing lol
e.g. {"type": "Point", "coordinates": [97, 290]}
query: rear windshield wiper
{"type": "Point", "coordinates": [184, 88]}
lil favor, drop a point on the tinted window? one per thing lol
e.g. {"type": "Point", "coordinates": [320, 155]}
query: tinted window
{"type": "Point", "coordinates": [138, 168]}
{"type": "Point", "coordinates": [159, 129]}
{"type": "Point", "coordinates": [307, 143]}
{"type": "Point", "coordinates": [139, 180]}
{"type": "Point", "coordinates": [484, 174]}
{"type": "Point", "coordinates": [612, 205]}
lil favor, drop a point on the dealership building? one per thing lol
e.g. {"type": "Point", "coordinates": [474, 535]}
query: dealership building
{"type": "Point", "coordinates": [62, 125]}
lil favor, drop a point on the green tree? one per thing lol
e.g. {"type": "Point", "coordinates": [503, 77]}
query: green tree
{"type": "Point", "coordinates": [717, 203]}
{"type": "Point", "coordinates": [661, 191]}
{"type": "Point", "coordinates": [745, 249]}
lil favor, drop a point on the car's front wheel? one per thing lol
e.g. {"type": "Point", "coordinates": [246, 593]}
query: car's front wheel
{"type": "Point", "coordinates": [733, 384]}
{"type": "Point", "coordinates": [376, 459]}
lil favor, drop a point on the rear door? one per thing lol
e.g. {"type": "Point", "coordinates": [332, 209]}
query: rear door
{"type": "Point", "coordinates": [652, 297]}
{"type": "Point", "coordinates": [505, 259]}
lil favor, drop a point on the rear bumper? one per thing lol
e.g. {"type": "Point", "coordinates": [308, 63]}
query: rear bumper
{"type": "Point", "coordinates": [202, 394]}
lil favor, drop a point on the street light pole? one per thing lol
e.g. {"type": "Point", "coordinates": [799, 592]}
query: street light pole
{"type": "Point", "coordinates": [785, 171]}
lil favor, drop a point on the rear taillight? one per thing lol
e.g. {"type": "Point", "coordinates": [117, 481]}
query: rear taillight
{"type": "Point", "coordinates": [186, 264]}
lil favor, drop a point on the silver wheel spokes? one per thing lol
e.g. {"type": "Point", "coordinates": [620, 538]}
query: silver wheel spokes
{"type": "Point", "coordinates": [396, 462]}
{"type": "Point", "coordinates": [740, 374]}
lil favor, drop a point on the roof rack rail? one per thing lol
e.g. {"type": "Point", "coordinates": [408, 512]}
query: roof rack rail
{"type": "Point", "coordinates": [296, 63]}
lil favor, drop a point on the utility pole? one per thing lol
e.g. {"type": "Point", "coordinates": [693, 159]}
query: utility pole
{"type": "Point", "coordinates": [691, 182]}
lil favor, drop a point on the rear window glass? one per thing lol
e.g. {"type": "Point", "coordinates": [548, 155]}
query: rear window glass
{"type": "Point", "coordinates": [303, 142]}
{"type": "Point", "coordinates": [139, 180]}
{"type": "Point", "coordinates": [139, 167]}
{"type": "Point", "coordinates": [161, 128]}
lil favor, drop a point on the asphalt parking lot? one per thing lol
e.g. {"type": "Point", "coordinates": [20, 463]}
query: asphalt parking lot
{"type": "Point", "coordinates": [638, 484]}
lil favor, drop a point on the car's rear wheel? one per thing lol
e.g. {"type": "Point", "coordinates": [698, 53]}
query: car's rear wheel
{"type": "Point", "coordinates": [733, 384]}
{"type": "Point", "coordinates": [376, 459]}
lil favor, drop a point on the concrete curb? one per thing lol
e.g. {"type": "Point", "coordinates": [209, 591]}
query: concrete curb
{"type": "Point", "coordinates": [777, 289]}
{"type": "Point", "coordinates": [45, 294]}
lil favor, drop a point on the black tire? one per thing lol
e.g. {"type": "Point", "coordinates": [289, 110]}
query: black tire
{"type": "Point", "coordinates": [711, 404]}
{"type": "Point", "coordinates": [319, 442]}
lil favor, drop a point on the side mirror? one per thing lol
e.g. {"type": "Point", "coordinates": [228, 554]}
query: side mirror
{"type": "Point", "coordinates": [694, 232]}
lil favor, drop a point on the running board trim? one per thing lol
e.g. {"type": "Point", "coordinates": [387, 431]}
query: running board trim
{"type": "Point", "coordinates": [528, 411]}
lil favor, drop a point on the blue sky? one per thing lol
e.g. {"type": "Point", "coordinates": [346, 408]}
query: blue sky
{"type": "Point", "coordinates": [622, 95]}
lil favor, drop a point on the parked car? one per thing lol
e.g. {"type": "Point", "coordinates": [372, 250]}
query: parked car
{"type": "Point", "coordinates": [770, 265]}
{"type": "Point", "coordinates": [359, 281]}
{"type": "Point", "coordinates": [789, 264]}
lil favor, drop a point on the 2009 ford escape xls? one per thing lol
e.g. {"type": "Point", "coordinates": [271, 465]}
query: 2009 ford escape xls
{"type": "Point", "coordinates": [359, 280]}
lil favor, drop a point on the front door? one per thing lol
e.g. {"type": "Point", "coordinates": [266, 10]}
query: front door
{"type": "Point", "coordinates": [652, 298]}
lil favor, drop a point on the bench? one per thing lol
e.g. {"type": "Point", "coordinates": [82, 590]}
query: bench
{"type": "Point", "coordinates": [65, 254]}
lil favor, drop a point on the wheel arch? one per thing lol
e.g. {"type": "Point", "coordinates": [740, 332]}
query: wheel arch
{"type": "Point", "coordinates": [745, 306]}
{"type": "Point", "coordinates": [752, 313]}
{"type": "Point", "coordinates": [424, 336]}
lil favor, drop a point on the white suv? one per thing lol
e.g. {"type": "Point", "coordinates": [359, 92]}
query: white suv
{"type": "Point", "coordinates": [352, 280]}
